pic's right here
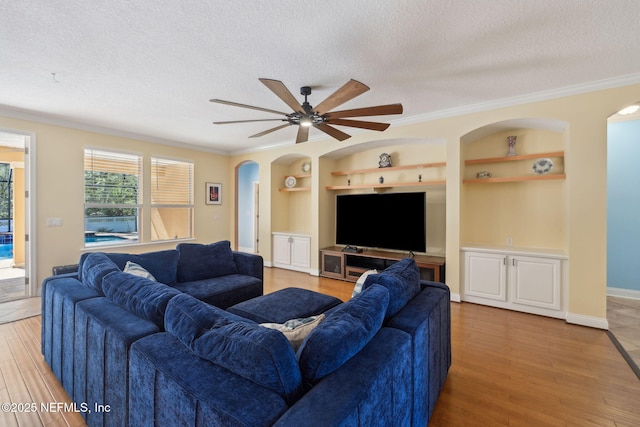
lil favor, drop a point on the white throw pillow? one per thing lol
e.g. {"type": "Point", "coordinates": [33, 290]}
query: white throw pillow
{"type": "Point", "coordinates": [137, 270]}
{"type": "Point", "coordinates": [358, 288]}
{"type": "Point", "coordinates": [296, 330]}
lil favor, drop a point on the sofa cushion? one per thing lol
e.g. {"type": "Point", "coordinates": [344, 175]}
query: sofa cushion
{"type": "Point", "coordinates": [402, 279]}
{"type": "Point", "coordinates": [342, 334]}
{"type": "Point", "coordinates": [140, 296]}
{"type": "Point", "coordinates": [223, 291]}
{"type": "Point", "coordinates": [296, 330]}
{"type": "Point", "coordinates": [187, 318]}
{"type": "Point", "coordinates": [163, 265]}
{"type": "Point", "coordinates": [284, 304]}
{"type": "Point", "coordinates": [261, 355]}
{"type": "Point", "coordinates": [94, 268]}
{"type": "Point", "coordinates": [199, 262]}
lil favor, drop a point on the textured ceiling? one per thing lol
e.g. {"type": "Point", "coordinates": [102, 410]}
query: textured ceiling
{"type": "Point", "coordinates": [149, 67]}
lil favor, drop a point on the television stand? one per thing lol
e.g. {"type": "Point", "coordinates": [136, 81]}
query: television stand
{"type": "Point", "coordinates": [337, 263]}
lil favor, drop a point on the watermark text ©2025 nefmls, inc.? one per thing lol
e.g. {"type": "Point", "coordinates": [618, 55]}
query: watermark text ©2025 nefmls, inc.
{"type": "Point", "coordinates": [82, 407]}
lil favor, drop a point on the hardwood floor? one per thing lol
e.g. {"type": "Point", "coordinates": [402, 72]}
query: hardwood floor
{"type": "Point", "coordinates": [508, 368]}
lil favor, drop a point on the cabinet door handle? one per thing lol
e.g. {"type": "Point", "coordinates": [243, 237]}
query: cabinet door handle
{"type": "Point", "coordinates": [513, 262]}
{"type": "Point", "coordinates": [504, 261]}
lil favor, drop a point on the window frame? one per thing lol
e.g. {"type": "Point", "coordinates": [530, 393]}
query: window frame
{"type": "Point", "coordinates": [133, 158]}
{"type": "Point", "coordinates": [190, 196]}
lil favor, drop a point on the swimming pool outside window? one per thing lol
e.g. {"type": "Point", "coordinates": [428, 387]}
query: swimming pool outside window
{"type": "Point", "coordinates": [112, 197]}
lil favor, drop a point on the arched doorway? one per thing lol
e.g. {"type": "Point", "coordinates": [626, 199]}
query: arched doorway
{"type": "Point", "coordinates": [623, 232]}
{"type": "Point", "coordinates": [247, 207]}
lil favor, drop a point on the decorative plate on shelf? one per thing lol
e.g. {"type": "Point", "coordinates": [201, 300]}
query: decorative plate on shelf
{"type": "Point", "coordinates": [290, 182]}
{"type": "Point", "coordinates": [542, 166]}
{"type": "Point", "coordinates": [306, 167]}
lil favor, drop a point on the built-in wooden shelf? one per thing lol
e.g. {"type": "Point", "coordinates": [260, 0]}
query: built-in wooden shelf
{"type": "Point", "coordinates": [515, 179]}
{"type": "Point", "coordinates": [393, 168]}
{"type": "Point", "coordinates": [299, 176]}
{"type": "Point", "coordinates": [390, 184]}
{"type": "Point", "coordinates": [514, 158]}
{"type": "Point", "coordinates": [386, 185]}
{"type": "Point", "coordinates": [295, 189]}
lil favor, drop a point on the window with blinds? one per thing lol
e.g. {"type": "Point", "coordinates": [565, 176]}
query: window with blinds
{"type": "Point", "coordinates": [171, 199]}
{"type": "Point", "coordinates": [112, 197]}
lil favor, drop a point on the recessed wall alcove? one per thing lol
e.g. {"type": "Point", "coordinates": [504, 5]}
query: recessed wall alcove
{"type": "Point", "coordinates": [514, 206]}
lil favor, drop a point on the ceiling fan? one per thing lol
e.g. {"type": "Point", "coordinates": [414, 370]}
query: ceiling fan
{"type": "Point", "coordinates": [304, 115]}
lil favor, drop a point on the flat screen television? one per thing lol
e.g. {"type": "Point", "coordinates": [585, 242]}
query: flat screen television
{"type": "Point", "coordinates": [386, 221]}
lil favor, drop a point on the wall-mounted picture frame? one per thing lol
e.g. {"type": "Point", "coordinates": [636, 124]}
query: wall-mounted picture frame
{"type": "Point", "coordinates": [214, 193]}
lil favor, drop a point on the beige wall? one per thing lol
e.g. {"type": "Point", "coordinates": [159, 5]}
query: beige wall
{"type": "Point", "coordinates": [59, 190]}
{"type": "Point", "coordinates": [577, 218]}
{"type": "Point", "coordinates": [583, 214]}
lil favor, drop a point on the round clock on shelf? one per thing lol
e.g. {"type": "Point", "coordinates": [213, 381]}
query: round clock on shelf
{"type": "Point", "coordinates": [306, 167]}
{"type": "Point", "coordinates": [290, 182]}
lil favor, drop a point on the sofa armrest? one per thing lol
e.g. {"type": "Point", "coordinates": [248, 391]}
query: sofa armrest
{"type": "Point", "coordinates": [430, 284]}
{"type": "Point", "coordinates": [427, 318]}
{"type": "Point", "coordinates": [249, 264]}
{"type": "Point", "coordinates": [371, 388]}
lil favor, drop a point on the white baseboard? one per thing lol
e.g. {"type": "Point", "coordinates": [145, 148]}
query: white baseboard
{"type": "Point", "coordinates": [267, 263]}
{"type": "Point", "coordinates": [590, 321]}
{"type": "Point", "coordinates": [455, 297]}
{"type": "Point", "coordinates": [623, 293]}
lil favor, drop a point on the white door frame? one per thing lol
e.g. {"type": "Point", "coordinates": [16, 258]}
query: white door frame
{"type": "Point", "coordinates": [29, 209]}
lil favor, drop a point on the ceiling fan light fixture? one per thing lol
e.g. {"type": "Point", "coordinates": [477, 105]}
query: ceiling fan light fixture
{"type": "Point", "coordinates": [321, 117]}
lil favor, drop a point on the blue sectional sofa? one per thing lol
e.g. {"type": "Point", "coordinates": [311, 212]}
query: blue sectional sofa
{"type": "Point", "coordinates": [166, 354]}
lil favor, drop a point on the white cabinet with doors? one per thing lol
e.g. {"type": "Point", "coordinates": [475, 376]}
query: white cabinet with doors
{"type": "Point", "coordinates": [529, 281]}
{"type": "Point", "coordinates": [292, 251]}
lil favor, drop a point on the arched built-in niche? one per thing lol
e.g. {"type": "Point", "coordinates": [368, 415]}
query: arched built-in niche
{"type": "Point", "coordinates": [507, 209]}
{"type": "Point", "coordinates": [291, 202]}
{"type": "Point", "coordinates": [514, 217]}
{"type": "Point", "coordinates": [247, 207]}
{"type": "Point", "coordinates": [417, 165]}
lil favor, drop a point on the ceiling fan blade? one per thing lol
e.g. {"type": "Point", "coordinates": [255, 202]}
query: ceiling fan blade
{"type": "Point", "coordinates": [359, 124]}
{"type": "Point", "coordinates": [380, 110]}
{"type": "Point", "coordinates": [283, 93]}
{"type": "Point", "coordinates": [347, 92]}
{"type": "Point", "coordinates": [333, 132]}
{"type": "Point", "coordinates": [248, 121]}
{"type": "Point", "coordinates": [235, 104]}
{"type": "Point", "coordinates": [303, 134]}
{"type": "Point", "coordinates": [270, 130]}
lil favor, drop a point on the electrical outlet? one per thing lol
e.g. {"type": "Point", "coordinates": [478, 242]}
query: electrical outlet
{"type": "Point", "coordinates": [509, 241]}
{"type": "Point", "coordinates": [54, 222]}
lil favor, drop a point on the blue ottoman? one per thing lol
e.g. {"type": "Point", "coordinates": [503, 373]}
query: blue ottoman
{"type": "Point", "coordinates": [283, 305]}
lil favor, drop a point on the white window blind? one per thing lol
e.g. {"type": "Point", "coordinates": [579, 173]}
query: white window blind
{"type": "Point", "coordinates": [171, 199]}
{"type": "Point", "coordinates": [171, 182]}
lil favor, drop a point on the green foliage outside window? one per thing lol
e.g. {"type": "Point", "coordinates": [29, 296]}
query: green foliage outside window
{"type": "Point", "coordinates": [110, 188]}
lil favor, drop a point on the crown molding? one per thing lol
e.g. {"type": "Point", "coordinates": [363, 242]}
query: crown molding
{"type": "Point", "coordinates": [21, 114]}
{"type": "Point", "coordinates": [523, 99]}
{"type": "Point", "coordinates": [615, 82]}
